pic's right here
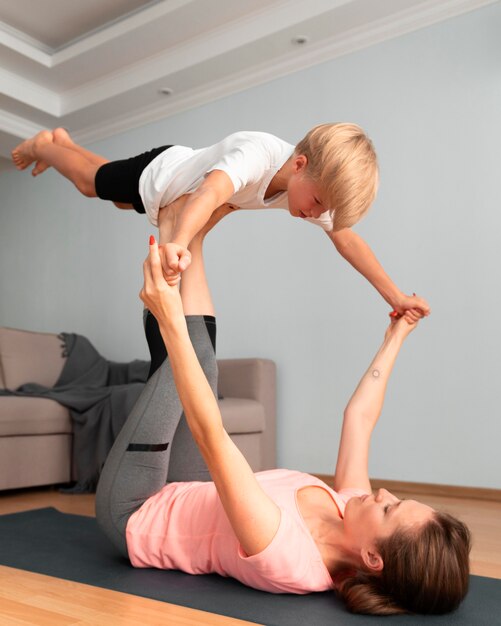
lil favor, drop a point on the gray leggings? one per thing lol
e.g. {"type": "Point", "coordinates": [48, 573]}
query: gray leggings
{"type": "Point", "coordinates": [155, 445]}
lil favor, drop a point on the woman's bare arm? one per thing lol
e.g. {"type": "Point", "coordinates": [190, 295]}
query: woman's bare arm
{"type": "Point", "coordinates": [364, 409]}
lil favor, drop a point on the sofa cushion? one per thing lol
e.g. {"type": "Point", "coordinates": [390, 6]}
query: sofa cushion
{"type": "Point", "coordinates": [32, 416]}
{"type": "Point", "coordinates": [41, 416]}
{"type": "Point", "coordinates": [28, 357]}
{"type": "Point", "coordinates": [242, 415]}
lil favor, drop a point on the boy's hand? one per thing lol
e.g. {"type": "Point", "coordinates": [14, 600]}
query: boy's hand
{"type": "Point", "coordinates": [400, 325]}
{"type": "Point", "coordinates": [175, 259]}
{"type": "Point", "coordinates": [162, 300]}
{"type": "Point", "coordinates": [414, 306]}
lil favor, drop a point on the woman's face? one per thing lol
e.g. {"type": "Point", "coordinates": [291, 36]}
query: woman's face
{"type": "Point", "coordinates": [377, 516]}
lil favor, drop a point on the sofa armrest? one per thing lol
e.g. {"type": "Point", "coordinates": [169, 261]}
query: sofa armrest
{"type": "Point", "coordinates": [30, 357]}
{"type": "Point", "coordinates": [254, 379]}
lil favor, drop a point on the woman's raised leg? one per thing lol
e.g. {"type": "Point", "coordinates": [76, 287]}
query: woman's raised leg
{"type": "Point", "coordinates": [137, 465]}
{"type": "Point", "coordinates": [186, 462]}
{"type": "Point", "coordinates": [155, 445]}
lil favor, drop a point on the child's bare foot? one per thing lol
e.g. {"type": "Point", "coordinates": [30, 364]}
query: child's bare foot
{"type": "Point", "coordinates": [60, 137]}
{"type": "Point", "coordinates": [167, 218]}
{"type": "Point", "coordinates": [25, 153]}
{"type": "Point", "coordinates": [40, 167]}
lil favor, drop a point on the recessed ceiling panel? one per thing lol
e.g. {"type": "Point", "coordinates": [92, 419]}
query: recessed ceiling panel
{"type": "Point", "coordinates": [55, 23]}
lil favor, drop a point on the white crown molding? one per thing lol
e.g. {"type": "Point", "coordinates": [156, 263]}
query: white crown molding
{"type": "Point", "coordinates": [25, 45]}
{"type": "Point", "coordinates": [353, 40]}
{"type": "Point", "coordinates": [119, 28]}
{"type": "Point", "coordinates": [225, 39]}
{"type": "Point", "coordinates": [47, 56]}
{"type": "Point", "coordinates": [218, 41]}
{"type": "Point", "coordinates": [18, 126]}
{"type": "Point", "coordinates": [432, 12]}
{"type": "Point", "coordinates": [263, 22]}
{"type": "Point", "coordinates": [212, 44]}
{"type": "Point", "coordinates": [285, 14]}
{"type": "Point", "coordinates": [28, 92]}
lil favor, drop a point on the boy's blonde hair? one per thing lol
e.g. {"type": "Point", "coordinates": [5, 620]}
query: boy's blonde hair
{"type": "Point", "coordinates": [342, 160]}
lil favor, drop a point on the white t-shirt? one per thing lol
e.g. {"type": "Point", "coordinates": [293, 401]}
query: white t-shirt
{"type": "Point", "coordinates": [250, 159]}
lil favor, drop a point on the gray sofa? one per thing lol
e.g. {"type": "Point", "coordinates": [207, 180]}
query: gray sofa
{"type": "Point", "coordinates": [36, 433]}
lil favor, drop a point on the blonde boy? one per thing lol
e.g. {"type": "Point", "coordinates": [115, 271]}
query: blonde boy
{"type": "Point", "coordinates": [329, 178]}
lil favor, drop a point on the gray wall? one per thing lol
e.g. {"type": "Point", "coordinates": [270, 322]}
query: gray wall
{"type": "Point", "coordinates": [431, 101]}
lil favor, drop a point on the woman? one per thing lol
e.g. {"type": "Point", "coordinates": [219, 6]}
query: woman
{"type": "Point", "coordinates": [278, 531]}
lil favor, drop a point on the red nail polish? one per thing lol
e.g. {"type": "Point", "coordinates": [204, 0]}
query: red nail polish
{"type": "Point", "coordinates": [152, 240]}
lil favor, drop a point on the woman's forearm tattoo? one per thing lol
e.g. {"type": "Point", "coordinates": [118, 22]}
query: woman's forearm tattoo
{"type": "Point", "coordinates": [375, 373]}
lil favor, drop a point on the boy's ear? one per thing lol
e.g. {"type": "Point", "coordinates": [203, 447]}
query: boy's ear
{"type": "Point", "coordinates": [300, 163]}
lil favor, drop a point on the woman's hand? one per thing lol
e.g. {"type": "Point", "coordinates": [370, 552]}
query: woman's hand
{"type": "Point", "coordinates": [162, 299]}
{"type": "Point", "coordinates": [400, 325]}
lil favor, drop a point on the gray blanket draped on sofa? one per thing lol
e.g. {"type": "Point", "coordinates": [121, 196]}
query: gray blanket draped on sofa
{"type": "Point", "coordinates": [99, 395]}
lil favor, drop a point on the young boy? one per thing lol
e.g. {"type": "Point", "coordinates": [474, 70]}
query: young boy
{"type": "Point", "coordinates": [330, 179]}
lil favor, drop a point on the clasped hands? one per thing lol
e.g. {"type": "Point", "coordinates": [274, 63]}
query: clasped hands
{"type": "Point", "coordinates": [160, 296]}
{"type": "Point", "coordinates": [174, 259]}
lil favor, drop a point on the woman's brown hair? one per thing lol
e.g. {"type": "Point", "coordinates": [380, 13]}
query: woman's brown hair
{"type": "Point", "coordinates": [425, 571]}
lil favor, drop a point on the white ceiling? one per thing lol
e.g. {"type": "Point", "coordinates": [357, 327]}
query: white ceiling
{"type": "Point", "coordinates": [97, 67]}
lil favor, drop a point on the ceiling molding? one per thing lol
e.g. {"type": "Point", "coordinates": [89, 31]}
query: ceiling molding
{"type": "Point", "coordinates": [352, 41]}
{"type": "Point", "coordinates": [118, 28]}
{"type": "Point", "coordinates": [20, 82]}
{"type": "Point", "coordinates": [28, 92]}
{"type": "Point", "coordinates": [212, 44]}
{"type": "Point", "coordinates": [25, 45]}
{"type": "Point", "coordinates": [17, 126]}
{"type": "Point", "coordinates": [47, 56]}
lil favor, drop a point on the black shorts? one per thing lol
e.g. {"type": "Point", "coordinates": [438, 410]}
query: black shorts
{"type": "Point", "coordinates": [118, 181]}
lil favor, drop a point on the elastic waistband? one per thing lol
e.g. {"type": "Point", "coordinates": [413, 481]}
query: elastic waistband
{"type": "Point", "coordinates": [189, 318]}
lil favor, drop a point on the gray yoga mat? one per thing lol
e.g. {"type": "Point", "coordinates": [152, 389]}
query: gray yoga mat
{"type": "Point", "coordinates": [72, 547]}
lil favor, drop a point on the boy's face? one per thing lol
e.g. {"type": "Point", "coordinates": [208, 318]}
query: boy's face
{"type": "Point", "coordinates": [305, 199]}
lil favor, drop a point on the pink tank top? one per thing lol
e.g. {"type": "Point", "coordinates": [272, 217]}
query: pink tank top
{"type": "Point", "coordinates": [184, 526]}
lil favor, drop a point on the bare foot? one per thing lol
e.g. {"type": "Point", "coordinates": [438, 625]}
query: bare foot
{"type": "Point", "coordinates": [60, 137]}
{"type": "Point", "coordinates": [40, 166]}
{"type": "Point", "coordinates": [167, 218]}
{"type": "Point", "coordinates": [25, 153]}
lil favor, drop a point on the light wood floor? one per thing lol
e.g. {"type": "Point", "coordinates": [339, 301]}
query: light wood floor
{"type": "Point", "coordinates": [27, 598]}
